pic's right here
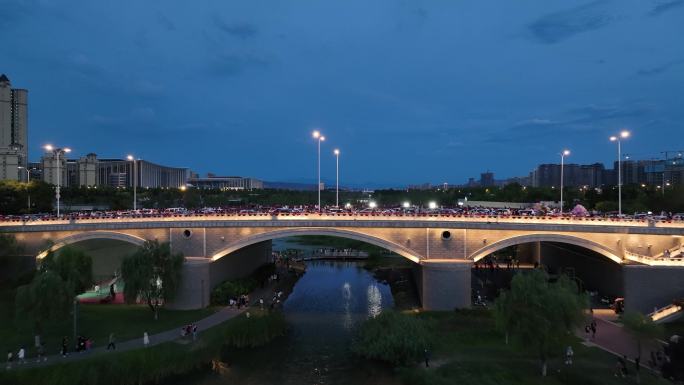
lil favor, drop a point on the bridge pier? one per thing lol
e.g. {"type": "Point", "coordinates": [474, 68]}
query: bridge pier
{"type": "Point", "coordinates": [647, 287]}
{"type": "Point", "coordinates": [444, 284]}
{"type": "Point", "coordinates": [195, 288]}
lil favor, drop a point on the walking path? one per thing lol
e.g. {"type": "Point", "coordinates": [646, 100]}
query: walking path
{"type": "Point", "coordinates": [217, 318]}
{"type": "Point", "coordinates": [614, 339]}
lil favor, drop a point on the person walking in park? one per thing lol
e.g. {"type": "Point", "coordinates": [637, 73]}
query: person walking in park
{"type": "Point", "coordinates": [427, 358]}
{"type": "Point", "coordinates": [21, 355]}
{"type": "Point", "coordinates": [112, 342]}
{"type": "Point", "coordinates": [10, 358]}
{"type": "Point", "coordinates": [146, 339]}
{"type": "Point", "coordinates": [568, 355]}
{"type": "Point", "coordinates": [194, 332]}
{"type": "Point", "coordinates": [593, 329]}
{"type": "Point", "coordinates": [65, 344]}
{"type": "Point", "coordinates": [40, 352]}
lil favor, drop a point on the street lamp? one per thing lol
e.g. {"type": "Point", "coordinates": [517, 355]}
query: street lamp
{"type": "Point", "coordinates": [563, 155]}
{"type": "Point", "coordinates": [135, 181]}
{"type": "Point", "coordinates": [406, 204]}
{"type": "Point", "coordinates": [618, 139]}
{"type": "Point", "coordinates": [432, 205]}
{"type": "Point", "coordinates": [337, 173]}
{"type": "Point", "coordinates": [57, 152]}
{"type": "Point", "coordinates": [320, 138]}
{"type": "Point", "coordinates": [28, 180]}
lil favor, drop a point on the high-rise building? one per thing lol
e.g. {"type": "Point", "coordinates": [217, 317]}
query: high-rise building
{"type": "Point", "coordinates": [487, 179]}
{"type": "Point", "coordinates": [225, 182]}
{"type": "Point", "coordinates": [51, 169]}
{"type": "Point", "coordinates": [13, 130]}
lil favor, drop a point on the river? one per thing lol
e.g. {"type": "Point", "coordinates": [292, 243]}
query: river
{"type": "Point", "coordinates": [323, 312]}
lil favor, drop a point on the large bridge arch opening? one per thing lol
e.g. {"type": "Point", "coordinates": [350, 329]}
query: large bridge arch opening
{"type": "Point", "coordinates": [596, 269]}
{"type": "Point", "coordinates": [107, 250]}
{"type": "Point", "coordinates": [294, 232]}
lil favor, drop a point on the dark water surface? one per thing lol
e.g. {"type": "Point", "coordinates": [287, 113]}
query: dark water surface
{"type": "Point", "coordinates": [323, 313]}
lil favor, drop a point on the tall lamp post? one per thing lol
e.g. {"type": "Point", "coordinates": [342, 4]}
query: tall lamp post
{"type": "Point", "coordinates": [57, 152]}
{"type": "Point", "coordinates": [563, 155]}
{"type": "Point", "coordinates": [28, 180]}
{"type": "Point", "coordinates": [320, 138]}
{"type": "Point", "coordinates": [337, 174]}
{"type": "Point", "coordinates": [135, 181]}
{"type": "Point", "coordinates": [618, 139]}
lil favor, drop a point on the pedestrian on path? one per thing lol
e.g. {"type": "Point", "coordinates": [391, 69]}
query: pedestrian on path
{"type": "Point", "coordinates": [568, 355]}
{"type": "Point", "coordinates": [10, 358]}
{"type": "Point", "coordinates": [65, 348]}
{"type": "Point", "coordinates": [194, 332]}
{"type": "Point", "coordinates": [40, 352]}
{"type": "Point", "coordinates": [427, 358]}
{"type": "Point", "coordinates": [21, 355]}
{"type": "Point", "coordinates": [146, 339]}
{"type": "Point", "coordinates": [112, 342]}
{"type": "Point", "coordinates": [593, 329]}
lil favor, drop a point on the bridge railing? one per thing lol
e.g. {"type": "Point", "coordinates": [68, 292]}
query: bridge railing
{"type": "Point", "coordinates": [669, 311]}
{"type": "Point", "coordinates": [599, 221]}
{"type": "Point", "coordinates": [657, 260]}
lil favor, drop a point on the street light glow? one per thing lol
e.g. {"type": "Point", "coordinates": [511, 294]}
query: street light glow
{"type": "Point", "coordinates": [624, 134]}
{"type": "Point", "coordinates": [566, 152]}
{"type": "Point", "coordinates": [316, 134]}
{"type": "Point", "coordinates": [48, 147]}
{"type": "Point", "coordinates": [432, 205]}
{"type": "Point", "coordinates": [67, 150]}
{"type": "Point", "coordinates": [322, 138]}
{"type": "Point", "coordinates": [372, 204]}
{"type": "Point", "coordinates": [129, 157]}
{"type": "Point", "coordinates": [613, 138]}
{"type": "Point", "coordinates": [406, 204]}
{"type": "Point", "coordinates": [337, 151]}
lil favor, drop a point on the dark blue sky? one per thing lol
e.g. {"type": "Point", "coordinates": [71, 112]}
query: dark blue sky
{"type": "Point", "coordinates": [410, 91]}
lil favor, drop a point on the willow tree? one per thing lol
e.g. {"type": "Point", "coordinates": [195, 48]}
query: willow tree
{"type": "Point", "coordinates": [643, 329]}
{"type": "Point", "coordinates": [152, 274]}
{"type": "Point", "coordinates": [539, 314]}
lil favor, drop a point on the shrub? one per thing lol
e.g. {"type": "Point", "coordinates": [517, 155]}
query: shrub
{"type": "Point", "coordinates": [393, 337]}
{"type": "Point", "coordinates": [232, 289]}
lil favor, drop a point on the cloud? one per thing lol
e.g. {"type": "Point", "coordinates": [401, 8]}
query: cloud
{"type": "Point", "coordinates": [165, 22]}
{"type": "Point", "coordinates": [14, 12]}
{"type": "Point", "coordinates": [590, 119]}
{"type": "Point", "coordinates": [230, 64]}
{"type": "Point", "coordinates": [665, 7]}
{"type": "Point", "coordinates": [657, 70]}
{"type": "Point", "coordinates": [238, 30]}
{"type": "Point", "coordinates": [559, 26]}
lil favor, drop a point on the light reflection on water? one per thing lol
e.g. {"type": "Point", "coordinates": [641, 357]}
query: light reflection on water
{"type": "Point", "coordinates": [323, 311]}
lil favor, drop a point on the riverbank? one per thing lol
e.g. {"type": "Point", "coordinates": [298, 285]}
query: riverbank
{"type": "Point", "coordinates": [168, 355]}
{"type": "Point", "coordinates": [466, 349]}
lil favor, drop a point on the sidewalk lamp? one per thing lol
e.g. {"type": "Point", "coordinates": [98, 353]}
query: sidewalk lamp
{"type": "Point", "coordinates": [337, 178]}
{"type": "Point", "coordinates": [28, 181]}
{"type": "Point", "coordinates": [57, 152]}
{"type": "Point", "coordinates": [618, 138]}
{"type": "Point", "coordinates": [131, 158]}
{"type": "Point", "coordinates": [319, 138]}
{"type": "Point", "coordinates": [563, 154]}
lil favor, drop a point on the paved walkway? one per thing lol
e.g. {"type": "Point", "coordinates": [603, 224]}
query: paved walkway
{"type": "Point", "coordinates": [217, 318]}
{"type": "Point", "coordinates": [614, 339]}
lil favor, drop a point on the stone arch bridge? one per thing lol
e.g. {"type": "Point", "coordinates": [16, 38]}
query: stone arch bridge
{"type": "Point", "coordinates": [443, 248]}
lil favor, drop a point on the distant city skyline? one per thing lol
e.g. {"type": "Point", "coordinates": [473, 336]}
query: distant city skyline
{"type": "Point", "coordinates": [414, 92]}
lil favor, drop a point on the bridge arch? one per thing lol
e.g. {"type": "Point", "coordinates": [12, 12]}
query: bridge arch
{"type": "Point", "coordinates": [542, 237]}
{"type": "Point", "coordinates": [79, 237]}
{"type": "Point", "coordinates": [275, 234]}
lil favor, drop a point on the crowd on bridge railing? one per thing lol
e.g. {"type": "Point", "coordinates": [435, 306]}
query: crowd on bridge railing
{"type": "Point", "coordinates": [287, 211]}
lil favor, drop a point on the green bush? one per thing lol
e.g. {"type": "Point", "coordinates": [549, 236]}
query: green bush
{"type": "Point", "coordinates": [154, 364]}
{"type": "Point", "coordinates": [232, 289]}
{"type": "Point", "coordinates": [257, 330]}
{"type": "Point", "coordinates": [237, 287]}
{"type": "Point", "coordinates": [393, 337]}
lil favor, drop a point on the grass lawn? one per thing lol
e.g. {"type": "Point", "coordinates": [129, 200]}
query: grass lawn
{"type": "Point", "coordinates": [467, 350]}
{"type": "Point", "coordinates": [676, 327]}
{"type": "Point", "coordinates": [94, 321]}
